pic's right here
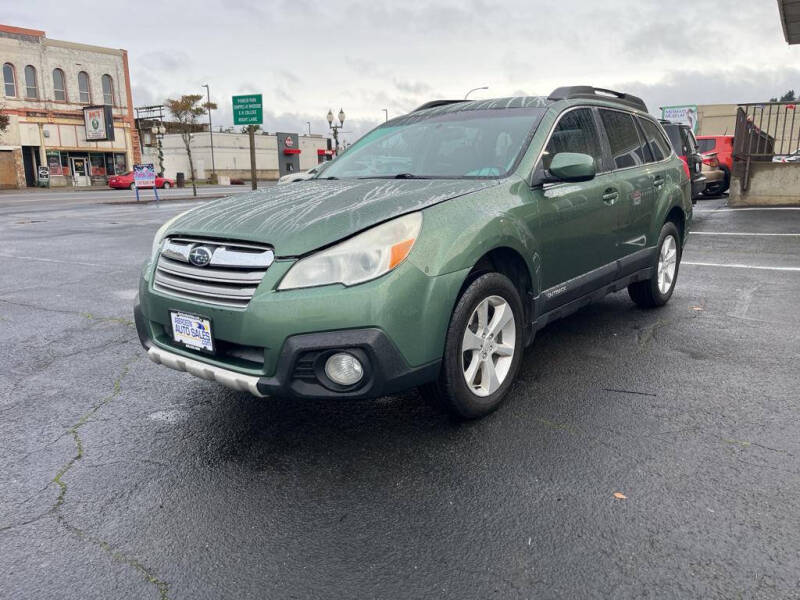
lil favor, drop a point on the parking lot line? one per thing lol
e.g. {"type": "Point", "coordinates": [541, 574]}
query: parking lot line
{"type": "Point", "coordinates": [738, 266]}
{"type": "Point", "coordinates": [744, 234]}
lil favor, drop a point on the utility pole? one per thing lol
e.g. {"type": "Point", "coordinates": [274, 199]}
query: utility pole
{"type": "Point", "coordinates": [251, 131]}
{"type": "Point", "coordinates": [309, 128]}
{"type": "Point", "coordinates": [211, 133]}
{"type": "Point", "coordinates": [386, 111]}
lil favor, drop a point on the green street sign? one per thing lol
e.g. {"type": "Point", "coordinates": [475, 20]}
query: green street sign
{"type": "Point", "coordinates": [248, 110]}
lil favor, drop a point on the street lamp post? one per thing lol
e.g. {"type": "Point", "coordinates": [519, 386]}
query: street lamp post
{"type": "Point", "coordinates": [309, 128]}
{"type": "Point", "coordinates": [475, 90]}
{"type": "Point", "coordinates": [336, 128]}
{"type": "Point", "coordinates": [159, 131]}
{"type": "Point", "coordinates": [386, 112]}
{"type": "Point", "coordinates": [211, 133]}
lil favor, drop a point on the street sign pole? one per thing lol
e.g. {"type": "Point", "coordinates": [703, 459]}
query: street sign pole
{"type": "Point", "coordinates": [251, 130]}
{"type": "Point", "coordinates": [248, 110]}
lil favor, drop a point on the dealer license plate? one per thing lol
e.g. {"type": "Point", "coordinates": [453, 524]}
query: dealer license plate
{"type": "Point", "coordinates": [192, 331]}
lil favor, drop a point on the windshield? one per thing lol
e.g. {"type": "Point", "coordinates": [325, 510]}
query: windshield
{"type": "Point", "coordinates": [453, 145]}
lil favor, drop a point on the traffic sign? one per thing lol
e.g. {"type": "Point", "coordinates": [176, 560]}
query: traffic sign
{"type": "Point", "coordinates": [248, 110]}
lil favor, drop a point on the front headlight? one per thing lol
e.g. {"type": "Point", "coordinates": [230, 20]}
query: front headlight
{"type": "Point", "coordinates": [159, 237]}
{"type": "Point", "coordinates": [361, 258]}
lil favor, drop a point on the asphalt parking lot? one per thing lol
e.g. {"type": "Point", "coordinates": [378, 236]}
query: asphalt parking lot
{"type": "Point", "coordinates": [123, 479]}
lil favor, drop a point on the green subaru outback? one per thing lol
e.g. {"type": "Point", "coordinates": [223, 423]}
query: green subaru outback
{"type": "Point", "coordinates": [428, 255]}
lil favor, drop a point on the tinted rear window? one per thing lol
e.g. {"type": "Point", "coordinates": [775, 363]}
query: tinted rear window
{"type": "Point", "coordinates": [706, 145]}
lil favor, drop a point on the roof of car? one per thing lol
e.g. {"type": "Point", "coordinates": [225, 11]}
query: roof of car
{"type": "Point", "coordinates": [445, 106]}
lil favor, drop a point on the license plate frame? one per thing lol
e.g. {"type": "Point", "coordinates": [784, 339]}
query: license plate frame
{"type": "Point", "coordinates": [206, 346]}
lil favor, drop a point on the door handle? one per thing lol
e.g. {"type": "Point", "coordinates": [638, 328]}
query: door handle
{"type": "Point", "coordinates": [658, 181]}
{"type": "Point", "coordinates": [610, 196]}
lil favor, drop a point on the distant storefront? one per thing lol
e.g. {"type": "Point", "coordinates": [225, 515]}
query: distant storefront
{"type": "Point", "coordinates": [71, 120]}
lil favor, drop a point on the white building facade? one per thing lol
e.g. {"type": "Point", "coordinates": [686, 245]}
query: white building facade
{"type": "Point", "coordinates": [232, 155]}
{"type": "Point", "coordinates": [46, 84]}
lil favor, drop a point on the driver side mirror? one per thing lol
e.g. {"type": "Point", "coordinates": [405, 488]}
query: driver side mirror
{"type": "Point", "coordinates": [568, 166]}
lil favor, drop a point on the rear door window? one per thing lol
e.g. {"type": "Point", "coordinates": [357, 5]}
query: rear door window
{"type": "Point", "coordinates": [575, 132]}
{"type": "Point", "coordinates": [706, 145]}
{"type": "Point", "coordinates": [658, 144]}
{"type": "Point", "coordinates": [627, 147]}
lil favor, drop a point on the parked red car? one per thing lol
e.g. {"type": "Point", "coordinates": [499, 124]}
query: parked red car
{"type": "Point", "coordinates": [120, 182]}
{"type": "Point", "coordinates": [723, 146]}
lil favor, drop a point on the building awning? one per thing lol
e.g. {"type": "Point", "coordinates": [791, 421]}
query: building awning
{"type": "Point", "coordinates": [790, 20]}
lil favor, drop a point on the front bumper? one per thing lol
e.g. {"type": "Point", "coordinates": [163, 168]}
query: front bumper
{"type": "Point", "coordinates": [299, 372]}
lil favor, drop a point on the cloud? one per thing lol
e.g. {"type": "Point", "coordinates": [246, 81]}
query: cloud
{"type": "Point", "coordinates": [307, 56]}
{"type": "Point", "coordinates": [714, 86]}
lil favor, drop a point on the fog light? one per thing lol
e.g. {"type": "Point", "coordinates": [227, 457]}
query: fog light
{"type": "Point", "coordinates": [344, 369]}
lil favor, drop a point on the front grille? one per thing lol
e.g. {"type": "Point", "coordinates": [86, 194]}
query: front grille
{"type": "Point", "coordinates": [211, 271]}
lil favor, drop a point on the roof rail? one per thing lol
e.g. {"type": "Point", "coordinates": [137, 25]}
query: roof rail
{"type": "Point", "coordinates": [435, 103]}
{"type": "Point", "coordinates": [587, 91]}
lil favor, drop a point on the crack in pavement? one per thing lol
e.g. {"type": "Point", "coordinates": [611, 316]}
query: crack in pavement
{"type": "Point", "coordinates": [147, 573]}
{"type": "Point", "coordinates": [85, 315]}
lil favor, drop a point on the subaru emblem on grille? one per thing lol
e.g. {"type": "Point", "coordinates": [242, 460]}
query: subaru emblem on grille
{"type": "Point", "coordinates": [200, 256]}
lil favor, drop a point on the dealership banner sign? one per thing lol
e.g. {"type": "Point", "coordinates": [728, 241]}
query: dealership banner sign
{"type": "Point", "coordinates": [686, 115]}
{"type": "Point", "coordinates": [99, 123]}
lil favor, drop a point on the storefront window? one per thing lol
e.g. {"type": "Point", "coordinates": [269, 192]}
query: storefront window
{"type": "Point", "coordinates": [54, 162]}
{"type": "Point", "coordinates": [120, 164]}
{"type": "Point", "coordinates": [98, 164]}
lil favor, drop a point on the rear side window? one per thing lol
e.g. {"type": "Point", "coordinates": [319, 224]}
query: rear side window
{"type": "Point", "coordinates": [627, 148]}
{"type": "Point", "coordinates": [674, 134]}
{"type": "Point", "coordinates": [706, 145]}
{"type": "Point", "coordinates": [658, 144]}
{"type": "Point", "coordinates": [575, 132]}
{"type": "Point", "coordinates": [688, 140]}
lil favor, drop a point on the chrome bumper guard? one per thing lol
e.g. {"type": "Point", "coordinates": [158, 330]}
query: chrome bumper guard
{"type": "Point", "coordinates": [231, 379]}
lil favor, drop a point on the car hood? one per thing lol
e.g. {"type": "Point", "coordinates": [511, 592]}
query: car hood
{"type": "Point", "coordinates": [300, 217]}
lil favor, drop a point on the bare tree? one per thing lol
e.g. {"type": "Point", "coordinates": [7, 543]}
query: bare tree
{"type": "Point", "coordinates": [186, 111]}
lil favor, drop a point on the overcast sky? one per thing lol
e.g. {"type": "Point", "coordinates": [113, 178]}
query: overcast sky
{"type": "Point", "coordinates": [306, 56]}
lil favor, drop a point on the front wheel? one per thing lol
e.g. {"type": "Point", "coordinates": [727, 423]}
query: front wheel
{"type": "Point", "coordinates": [132, 186]}
{"type": "Point", "coordinates": [483, 348]}
{"type": "Point", "coordinates": [166, 185]}
{"type": "Point", "coordinates": [657, 290]}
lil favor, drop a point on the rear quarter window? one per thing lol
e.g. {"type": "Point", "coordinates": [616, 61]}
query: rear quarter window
{"type": "Point", "coordinates": [658, 143]}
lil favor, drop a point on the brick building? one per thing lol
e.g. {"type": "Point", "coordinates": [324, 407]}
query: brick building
{"type": "Point", "coordinates": [46, 85]}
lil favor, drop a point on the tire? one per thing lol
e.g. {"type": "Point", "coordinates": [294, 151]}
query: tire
{"type": "Point", "coordinates": [132, 186]}
{"type": "Point", "coordinates": [727, 183]}
{"type": "Point", "coordinates": [714, 189]}
{"type": "Point", "coordinates": [649, 293]}
{"type": "Point", "coordinates": [166, 185]}
{"type": "Point", "coordinates": [485, 394]}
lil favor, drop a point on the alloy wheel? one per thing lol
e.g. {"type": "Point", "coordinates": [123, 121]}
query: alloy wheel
{"type": "Point", "coordinates": [667, 264]}
{"type": "Point", "coordinates": [488, 346]}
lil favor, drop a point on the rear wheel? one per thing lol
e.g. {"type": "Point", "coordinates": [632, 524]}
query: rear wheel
{"type": "Point", "coordinates": [657, 290]}
{"type": "Point", "coordinates": [483, 348]}
{"type": "Point", "coordinates": [132, 186]}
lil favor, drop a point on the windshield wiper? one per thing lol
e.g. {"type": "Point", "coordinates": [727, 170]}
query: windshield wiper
{"type": "Point", "coordinates": [328, 178]}
{"type": "Point", "coordinates": [407, 176]}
